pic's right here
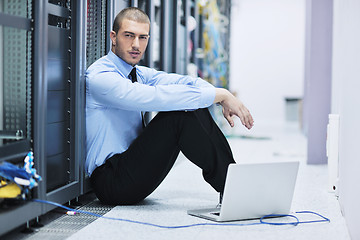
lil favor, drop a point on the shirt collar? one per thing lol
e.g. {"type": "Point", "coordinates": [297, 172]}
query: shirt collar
{"type": "Point", "coordinates": [123, 66]}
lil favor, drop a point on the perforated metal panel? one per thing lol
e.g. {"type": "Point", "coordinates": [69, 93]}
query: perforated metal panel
{"type": "Point", "coordinates": [17, 7]}
{"type": "Point", "coordinates": [65, 226]}
{"type": "Point", "coordinates": [96, 30]}
{"type": "Point", "coordinates": [17, 67]}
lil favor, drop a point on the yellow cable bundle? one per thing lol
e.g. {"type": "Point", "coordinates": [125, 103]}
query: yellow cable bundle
{"type": "Point", "coordinates": [9, 190]}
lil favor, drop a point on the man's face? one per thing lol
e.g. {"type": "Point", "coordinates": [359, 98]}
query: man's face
{"type": "Point", "coordinates": [131, 41]}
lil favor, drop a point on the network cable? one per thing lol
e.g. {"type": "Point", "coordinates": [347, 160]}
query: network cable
{"type": "Point", "coordinates": [262, 221]}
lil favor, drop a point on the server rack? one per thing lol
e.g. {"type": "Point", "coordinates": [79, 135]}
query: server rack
{"type": "Point", "coordinates": [55, 105]}
{"type": "Point", "coordinates": [17, 35]}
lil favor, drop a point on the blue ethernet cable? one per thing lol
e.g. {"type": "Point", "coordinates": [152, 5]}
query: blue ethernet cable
{"type": "Point", "coordinates": [262, 220]}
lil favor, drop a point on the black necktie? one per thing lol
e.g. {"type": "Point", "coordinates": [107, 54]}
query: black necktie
{"type": "Point", "coordinates": [133, 77]}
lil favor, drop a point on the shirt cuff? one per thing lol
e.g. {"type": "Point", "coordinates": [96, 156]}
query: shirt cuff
{"type": "Point", "coordinates": [207, 97]}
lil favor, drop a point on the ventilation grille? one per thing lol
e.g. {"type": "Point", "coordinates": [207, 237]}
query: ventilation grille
{"type": "Point", "coordinates": [17, 44]}
{"type": "Point", "coordinates": [96, 30]}
{"type": "Point", "coordinates": [65, 226]}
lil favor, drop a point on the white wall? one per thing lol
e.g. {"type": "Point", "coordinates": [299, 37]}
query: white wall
{"type": "Point", "coordinates": [346, 103]}
{"type": "Point", "coordinates": [267, 55]}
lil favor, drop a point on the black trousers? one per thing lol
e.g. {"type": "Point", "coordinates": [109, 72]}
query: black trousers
{"type": "Point", "coordinates": [131, 176]}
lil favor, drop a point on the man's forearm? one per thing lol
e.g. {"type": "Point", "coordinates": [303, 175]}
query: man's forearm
{"type": "Point", "coordinates": [221, 94]}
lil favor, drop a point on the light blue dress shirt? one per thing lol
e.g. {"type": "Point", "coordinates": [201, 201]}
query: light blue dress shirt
{"type": "Point", "coordinates": [114, 103]}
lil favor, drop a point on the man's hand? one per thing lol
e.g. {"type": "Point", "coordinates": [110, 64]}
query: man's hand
{"type": "Point", "coordinates": [232, 106]}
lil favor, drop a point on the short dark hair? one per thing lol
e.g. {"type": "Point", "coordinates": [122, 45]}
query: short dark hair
{"type": "Point", "coordinates": [130, 13]}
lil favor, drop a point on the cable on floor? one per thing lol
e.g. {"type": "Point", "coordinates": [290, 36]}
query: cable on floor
{"type": "Point", "coordinates": [263, 220]}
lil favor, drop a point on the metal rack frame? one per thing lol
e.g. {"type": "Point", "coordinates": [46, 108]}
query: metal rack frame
{"type": "Point", "coordinates": [30, 210]}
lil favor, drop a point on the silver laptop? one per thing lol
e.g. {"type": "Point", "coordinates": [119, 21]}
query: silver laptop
{"type": "Point", "coordinates": [253, 190]}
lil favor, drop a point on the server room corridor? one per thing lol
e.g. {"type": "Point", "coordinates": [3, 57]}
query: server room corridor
{"type": "Point", "coordinates": [292, 63]}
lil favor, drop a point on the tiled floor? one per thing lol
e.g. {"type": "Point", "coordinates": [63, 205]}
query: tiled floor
{"type": "Point", "coordinates": [185, 189]}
